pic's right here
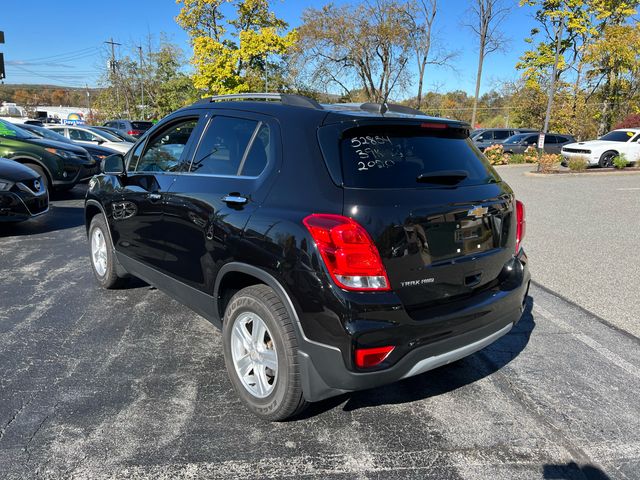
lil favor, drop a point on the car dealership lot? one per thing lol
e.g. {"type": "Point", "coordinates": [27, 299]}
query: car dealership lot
{"type": "Point", "coordinates": [130, 384]}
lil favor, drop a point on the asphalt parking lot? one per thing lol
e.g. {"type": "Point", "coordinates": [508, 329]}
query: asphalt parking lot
{"type": "Point", "coordinates": [582, 234]}
{"type": "Point", "coordinates": [129, 384]}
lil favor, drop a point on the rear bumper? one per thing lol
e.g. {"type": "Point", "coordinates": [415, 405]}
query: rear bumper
{"type": "Point", "coordinates": [325, 373]}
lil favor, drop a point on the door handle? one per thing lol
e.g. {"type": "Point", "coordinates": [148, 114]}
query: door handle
{"type": "Point", "coordinates": [154, 197]}
{"type": "Point", "coordinates": [235, 199]}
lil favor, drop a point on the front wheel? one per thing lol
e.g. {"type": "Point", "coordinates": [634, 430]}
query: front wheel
{"type": "Point", "coordinates": [260, 353]}
{"type": "Point", "coordinates": [606, 160]}
{"type": "Point", "coordinates": [102, 255]}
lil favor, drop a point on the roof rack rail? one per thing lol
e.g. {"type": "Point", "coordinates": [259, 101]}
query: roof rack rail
{"type": "Point", "coordinates": [389, 107]}
{"type": "Point", "coordinates": [284, 98]}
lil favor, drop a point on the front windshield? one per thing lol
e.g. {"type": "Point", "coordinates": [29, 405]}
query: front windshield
{"type": "Point", "coordinates": [8, 129]}
{"type": "Point", "coordinates": [513, 139]}
{"type": "Point", "coordinates": [109, 136]}
{"type": "Point", "coordinates": [618, 136]}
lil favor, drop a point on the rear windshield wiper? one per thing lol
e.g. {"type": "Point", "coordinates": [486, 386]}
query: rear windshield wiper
{"type": "Point", "coordinates": [443, 177]}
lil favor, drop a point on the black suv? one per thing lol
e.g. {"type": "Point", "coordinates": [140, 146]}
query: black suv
{"type": "Point", "coordinates": [339, 247]}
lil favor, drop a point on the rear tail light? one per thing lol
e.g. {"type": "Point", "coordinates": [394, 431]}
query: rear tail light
{"type": "Point", "coordinates": [521, 224]}
{"type": "Point", "coordinates": [348, 252]}
{"type": "Point", "coordinates": [370, 357]}
{"type": "Point", "coordinates": [134, 132]}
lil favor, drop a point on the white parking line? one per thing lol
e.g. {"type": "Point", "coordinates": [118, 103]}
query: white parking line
{"type": "Point", "coordinates": [627, 189]}
{"type": "Point", "coordinates": [590, 342]}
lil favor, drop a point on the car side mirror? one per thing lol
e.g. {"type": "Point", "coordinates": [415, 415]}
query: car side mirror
{"type": "Point", "coordinates": [113, 165]}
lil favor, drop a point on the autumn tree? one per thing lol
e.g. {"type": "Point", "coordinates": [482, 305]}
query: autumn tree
{"type": "Point", "coordinates": [235, 55]}
{"type": "Point", "coordinates": [363, 46]}
{"type": "Point", "coordinates": [421, 15]}
{"type": "Point", "coordinates": [486, 17]}
{"type": "Point", "coordinates": [166, 87]}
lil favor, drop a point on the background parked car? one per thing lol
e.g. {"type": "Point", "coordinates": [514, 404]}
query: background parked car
{"type": "Point", "coordinates": [484, 138]}
{"type": "Point", "coordinates": [603, 151]}
{"type": "Point", "coordinates": [97, 152]}
{"type": "Point", "coordinates": [553, 142]}
{"type": "Point", "coordinates": [60, 165]}
{"type": "Point", "coordinates": [117, 133]}
{"type": "Point", "coordinates": [23, 194]}
{"type": "Point", "coordinates": [135, 128]}
{"type": "Point", "coordinates": [92, 136]}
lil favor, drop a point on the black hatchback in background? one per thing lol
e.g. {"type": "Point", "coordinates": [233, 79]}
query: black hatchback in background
{"type": "Point", "coordinates": [23, 194]}
{"type": "Point", "coordinates": [339, 247]}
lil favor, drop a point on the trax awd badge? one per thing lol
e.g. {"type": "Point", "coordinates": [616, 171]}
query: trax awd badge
{"type": "Point", "coordinates": [478, 212]}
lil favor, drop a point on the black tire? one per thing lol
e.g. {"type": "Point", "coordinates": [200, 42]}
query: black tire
{"type": "Point", "coordinates": [43, 175]}
{"type": "Point", "coordinates": [109, 278]}
{"type": "Point", "coordinates": [285, 399]}
{"type": "Point", "coordinates": [606, 160]}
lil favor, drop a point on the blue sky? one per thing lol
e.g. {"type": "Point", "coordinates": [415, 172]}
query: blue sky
{"type": "Point", "coordinates": [62, 43]}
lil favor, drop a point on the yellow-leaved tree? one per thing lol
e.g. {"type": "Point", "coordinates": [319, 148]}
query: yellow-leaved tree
{"type": "Point", "coordinates": [236, 55]}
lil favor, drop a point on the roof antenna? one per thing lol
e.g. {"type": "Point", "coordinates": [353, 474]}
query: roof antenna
{"type": "Point", "coordinates": [384, 107]}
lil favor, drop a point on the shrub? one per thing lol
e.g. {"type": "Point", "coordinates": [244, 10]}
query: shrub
{"type": "Point", "coordinates": [548, 161]}
{"type": "Point", "coordinates": [620, 161]}
{"type": "Point", "coordinates": [631, 121]}
{"type": "Point", "coordinates": [495, 155]}
{"type": "Point", "coordinates": [516, 159]}
{"type": "Point", "coordinates": [531, 155]}
{"type": "Point", "coordinates": [578, 164]}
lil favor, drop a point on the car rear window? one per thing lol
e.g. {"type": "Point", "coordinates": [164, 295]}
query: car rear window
{"type": "Point", "coordinates": [141, 125]}
{"type": "Point", "coordinates": [395, 156]}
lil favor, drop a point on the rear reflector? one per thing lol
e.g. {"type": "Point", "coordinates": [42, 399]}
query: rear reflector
{"type": "Point", "coordinates": [370, 357]}
{"type": "Point", "coordinates": [521, 227]}
{"type": "Point", "coordinates": [348, 252]}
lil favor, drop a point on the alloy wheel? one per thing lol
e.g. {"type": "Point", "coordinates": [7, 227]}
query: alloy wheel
{"type": "Point", "coordinates": [254, 355]}
{"type": "Point", "coordinates": [99, 252]}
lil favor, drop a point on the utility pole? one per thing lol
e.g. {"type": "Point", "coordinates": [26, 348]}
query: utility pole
{"type": "Point", "coordinates": [89, 114]}
{"type": "Point", "coordinates": [2, 74]}
{"type": "Point", "coordinates": [114, 71]}
{"type": "Point", "coordinates": [552, 90]}
{"type": "Point", "coordinates": [141, 84]}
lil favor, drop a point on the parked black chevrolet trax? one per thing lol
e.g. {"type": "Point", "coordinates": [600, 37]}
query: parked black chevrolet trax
{"type": "Point", "coordinates": [339, 247]}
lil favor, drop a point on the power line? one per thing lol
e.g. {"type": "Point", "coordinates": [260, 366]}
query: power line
{"type": "Point", "coordinates": [72, 53]}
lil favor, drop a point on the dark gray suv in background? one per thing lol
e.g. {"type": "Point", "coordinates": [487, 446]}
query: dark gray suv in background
{"type": "Point", "coordinates": [553, 142]}
{"type": "Point", "coordinates": [486, 137]}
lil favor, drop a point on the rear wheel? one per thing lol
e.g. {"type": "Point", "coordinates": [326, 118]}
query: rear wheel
{"type": "Point", "coordinates": [606, 160]}
{"type": "Point", "coordinates": [102, 255]}
{"type": "Point", "coordinates": [260, 352]}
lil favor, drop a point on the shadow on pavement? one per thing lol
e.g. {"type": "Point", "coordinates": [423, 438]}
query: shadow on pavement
{"type": "Point", "coordinates": [441, 380]}
{"type": "Point", "coordinates": [58, 218]}
{"type": "Point", "coordinates": [572, 470]}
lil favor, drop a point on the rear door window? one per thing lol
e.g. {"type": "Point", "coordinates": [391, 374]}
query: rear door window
{"type": "Point", "coordinates": [396, 156]}
{"type": "Point", "coordinates": [224, 146]}
{"type": "Point", "coordinates": [501, 134]}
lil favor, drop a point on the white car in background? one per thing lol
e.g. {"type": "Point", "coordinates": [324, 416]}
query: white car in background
{"type": "Point", "coordinates": [92, 136]}
{"type": "Point", "coordinates": [602, 151]}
